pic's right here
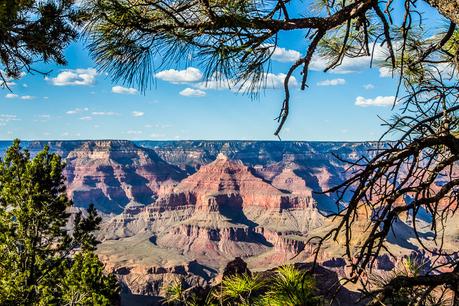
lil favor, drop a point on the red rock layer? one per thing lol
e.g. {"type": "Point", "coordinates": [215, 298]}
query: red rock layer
{"type": "Point", "coordinates": [111, 174]}
{"type": "Point", "coordinates": [231, 184]}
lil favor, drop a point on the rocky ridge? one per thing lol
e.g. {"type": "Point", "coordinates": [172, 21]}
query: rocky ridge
{"type": "Point", "coordinates": [222, 211]}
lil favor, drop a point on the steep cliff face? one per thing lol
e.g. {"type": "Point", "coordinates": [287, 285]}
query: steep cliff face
{"type": "Point", "coordinates": [230, 184]}
{"type": "Point", "coordinates": [112, 173]}
{"type": "Point", "coordinates": [288, 180]}
{"type": "Point", "coordinates": [313, 162]}
{"type": "Point", "coordinates": [226, 210]}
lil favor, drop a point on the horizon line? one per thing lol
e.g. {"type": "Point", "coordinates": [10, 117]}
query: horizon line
{"type": "Point", "coordinates": [185, 140]}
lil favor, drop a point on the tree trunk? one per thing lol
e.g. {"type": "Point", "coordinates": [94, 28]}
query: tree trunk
{"type": "Point", "coordinates": [448, 8]}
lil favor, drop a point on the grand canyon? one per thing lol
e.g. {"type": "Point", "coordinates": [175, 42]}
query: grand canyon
{"type": "Point", "coordinates": [186, 208]}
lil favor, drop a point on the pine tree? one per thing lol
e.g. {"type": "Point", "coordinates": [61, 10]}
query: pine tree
{"type": "Point", "coordinates": [41, 263]}
{"type": "Point", "coordinates": [32, 30]}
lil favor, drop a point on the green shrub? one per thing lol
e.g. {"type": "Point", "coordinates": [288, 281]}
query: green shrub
{"type": "Point", "coordinates": [290, 287]}
{"type": "Point", "coordinates": [241, 289]}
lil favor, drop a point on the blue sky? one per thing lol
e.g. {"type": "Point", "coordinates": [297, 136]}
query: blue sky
{"type": "Point", "coordinates": [78, 102]}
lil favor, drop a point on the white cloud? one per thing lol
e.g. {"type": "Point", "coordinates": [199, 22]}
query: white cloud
{"type": "Point", "coordinates": [132, 132]}
{"type": "Point", "coordinates": [268, 81]}
{"type": "Point", "coordinates": [378, 101]}
{"type": "Point", "coordinates": [137, 114]}
{"type": "Point", "coordinates": [386, 72]}
{"type": "Point", "coordinates": [86, 118]}
{"type": "Point", "coordinates": [124, 90]}
{"type": "Point", "coordinates": [285, 55]}
{"type": "Point", "coordinates": [7, 84]}
{"type": "Point", "coordinates": [277, 80]}
{"type": "Point", "coordinates": [6, 81]}
{"type": "Point", "coordinates": [76, 111]}
{"type": "Point", "coordinates": [190, 92]}
{"type": "Point", "coordinates": [75, 77]}
{"type": "Point", "coordinates": [332, 82]}
{"type": "Point", "coordinates": [272, 81]}
{"type": "Point", "coordinates": [104, 113]}
{"type": "Point", "coordinates": [188, 75]}
{"type": "Point", "coordinates": [349, 65]}
{"type": "Point", "coordinates": [215, 83]}
{"type": "Point", "coordinates": [368, 86]}
{"type": "Point", "coordinates": [15, 96]}
{"type": "Point", "coordinates": [447, 70]}
{"type": "Point", "coordinates": [11, 96]}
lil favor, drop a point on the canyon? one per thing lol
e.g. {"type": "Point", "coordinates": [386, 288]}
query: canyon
{"type": "Point", "coordinates": [186, 208]}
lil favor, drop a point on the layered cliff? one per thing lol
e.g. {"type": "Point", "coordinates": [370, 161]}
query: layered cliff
{"type": "Point", "coordinates": [231, 184]}
{"type": "Point", "coordinates": [113, 173]}
{"type": "Point", "coordinates": [226, 210]}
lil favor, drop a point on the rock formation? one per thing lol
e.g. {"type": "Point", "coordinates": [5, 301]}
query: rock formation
{"type": "Point", "coordinates": [185, 209]}
{"type": "Point", "coordinates": [112, 173]}
{"type": "Point", "coordinates": [224, 210]}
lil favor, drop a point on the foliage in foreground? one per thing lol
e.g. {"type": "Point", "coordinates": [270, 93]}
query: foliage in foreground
{"type": "Point", "coordinates": [40, 262]}
{"type": "Point", "coordinates": [291, 286]}
{"type": "Point", "coordinates": [288, 286]}
{"type": "Point", "coordinates": [410, 295]}
{"type": "Point", "coordinates": [32, 30]}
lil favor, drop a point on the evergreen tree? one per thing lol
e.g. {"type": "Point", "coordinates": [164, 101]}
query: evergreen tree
{"type": "Point", "coordinates": [32, 30]}
{"type": "Point", "coordinates": [41, 263]}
